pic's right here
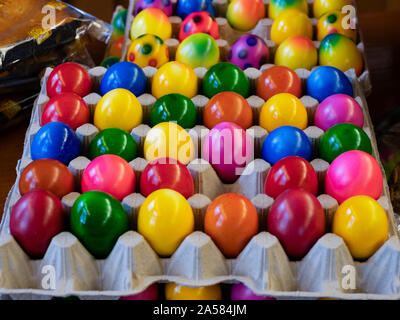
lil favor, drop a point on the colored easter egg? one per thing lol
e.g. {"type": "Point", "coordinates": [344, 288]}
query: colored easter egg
{"type": "Point", "coordinates": [124, 75]}
{"type": "Point", "coordinates": [186, 7]}
{"type": "Point", "coordinates": [198, 50]}
{"type": "Point", "coordinates": [174, 107]}
{"type": "Point", "coordinates": [297, 219]}
{"type": "Point", "coordinates": [228, 107]}
{"type": "Point", "coordinates": [35, 219]}
{"type": "Point", "coordinates": [151, 21]}
{"type": "Point", "coordinates": [225, 76]}
{"type": "Point", "coordinates": [113, 141]}
{"type": "Point", "coordinates": [278, 79]}
{"type": "Point", "coordinates": [228, 149]}
{"type": "Point", "coordinates": [164, 5]}
{"type": "Point", "coordinates": [116, 47]}
{"type": "Point", "coordinates": [291, 23]}
{"type": "Point", "coordinates": [341, 138]}
{"type": "Point", "coordinates": [321, 7]}
{"type": "Point", "coordinates": [111, 174]}
{"type": "Point", "coordinates": [68, 108]}
{"type": "Point", "coordinates": [354, 173]}
{"type": "Point", "coordinates": [169, 140]}
{"type": "Point", "coordinates": [284, 142]}
{"type": "Point", "coordinates": [231, 221]}
{"type": "Point", "coordinates": [244, 15]}
{"type": "Point", "coordinates": [297, 52]}
{"type": "Point", "coordinates": [340, 52]}
{"type": "Point", "coordinates": [289, 173]}
{"type": "Point", "coordinates": [174, 77]}
{"type": "Point", "coordinates": [165, 220]}
{"type": "Point", "coordinates": [57, 141]}
{"type": "Point", "coordinates": [283, 109]}
{"type": "Point", "coordinates": [97, 219]}
{"type": "Point", "coordinates": [276, 7]}
{"type": "Point", "coordinates": [165, 173]}
{"type": "Point", "coordinates": [241, 292]}
{"type": "Point", "coordinates": [331, 22]}
{"type": "Point", "coordinates": [47, 174]}
{"type": "Point", "coordinates": [336, 109]}
{"type": "Point", "coordinates": [326, 81]}
{"type": "Point", "coordinates": [148, 50]}
{"type": "Point", "coordinates": [177, 292]}
{"type": "Point", "coordinates": [118, 108]}
{"type": "Point", "coordinates": [151, 293]}
{"type": "Point", "coordinates": [249, 51]}
{"type": "Point", "coordinates": [199, 22]}
{"type": "Point", "coordinates": [363, 224]}
{"type": "Point", "coordinates": [110, 61]}
{"type": "Point", "coordinates": [69, 77]}
{"type": "Point", "coordinates": [119, 21]}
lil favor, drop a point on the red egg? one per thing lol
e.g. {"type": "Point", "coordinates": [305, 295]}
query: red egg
{"type": "Point", "coordinates": [47, 174]}
{"type": "Point", "coordinates": [68, 108]}
{"type": "Point", "coordinates": [35, 219]}
{"type": "Point", "coordinates": [166, 173]}
{"type": "Point", "coordinates": [288, 173]}
{"type": "Point", "coordinates": [151, 293]}
{"type": "Point", "coordinates": [69, 77]}
{"type": "Point", "coordinates": [110, 174]}
{"type": "Point", "coordinates": [297, 219]}
{"type": "Point", "coordinates": [116, 47]}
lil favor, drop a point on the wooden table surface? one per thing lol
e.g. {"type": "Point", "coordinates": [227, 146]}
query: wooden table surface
{"type": "Point", "coordinates": [380, 25]}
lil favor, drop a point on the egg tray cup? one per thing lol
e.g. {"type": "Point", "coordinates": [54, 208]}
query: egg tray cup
{"type": "Point", "coordinates": [263, 265]}
{"type": "Point", "coordinates": [228, 36]}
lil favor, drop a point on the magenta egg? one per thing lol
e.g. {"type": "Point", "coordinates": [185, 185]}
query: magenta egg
{"type": "Point", "coordinates": [354, 173]}
{"type": "Point", "coordinates": [241, 292]}
{"type": "Point", "coordinates": [151, 293]}
{"type": "Point", "coordinates": [249, 51]}
{"type": "Point", "coordinates": [229, 149]}
{"type": "Point", "coordinates": [336, 109]}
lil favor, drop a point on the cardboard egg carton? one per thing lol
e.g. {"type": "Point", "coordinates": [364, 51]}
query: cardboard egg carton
{"type": "Point", "coordinates": [228, 35]}
{"type": "Point", "coordinates": [262, 265]}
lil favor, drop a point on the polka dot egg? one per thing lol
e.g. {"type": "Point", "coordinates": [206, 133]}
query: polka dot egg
{"type": "Point", "coordinates": [164, 5]}
{"type": "Point", "coordinates": [198, 22]}
{"type": "Point", "coordinates": [148, 50]}
{"type": "Point", "coordinates": [249, 51]}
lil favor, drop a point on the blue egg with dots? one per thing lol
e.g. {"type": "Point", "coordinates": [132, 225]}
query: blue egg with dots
{"type": "Point", "coordinates": [186, 7]}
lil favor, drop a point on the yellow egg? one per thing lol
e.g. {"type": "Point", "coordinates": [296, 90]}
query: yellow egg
{"type": "Point", "coordinates": [177, 292]}
{"type": "Point", "coordinates": [151, 21]}
{"type": "Point", "coordinates": [363, 224]}
{"type": "Point", "coordinates": [321, 7]}
{"type": "Point", "coordinates": [331, 22]}
{"type": "Point", "coordinates": [276, 7]}
{"type": "Point", "coordinates": [283, 109]}
{"type": "Point", "coordinates": [165, 220]}
{"type": "Point", "coordinates": [119, 108]}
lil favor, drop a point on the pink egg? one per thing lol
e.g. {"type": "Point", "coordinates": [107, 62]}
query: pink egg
{"type": "Point", "coordinates": [110, 174]}
{"type": "Point", "coordinates": [151, 293]}
{"type": "Point", "coordinates": [241, 292]}
{"type": "Point", "coordinates": [339, 108]}
{"type": "Point", "coordinates": [228, 149]}
{"type": "Point", "coordinates": [354, 173]}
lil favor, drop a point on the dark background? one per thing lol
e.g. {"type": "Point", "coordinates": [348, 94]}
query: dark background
{"type": "Point", "coordinates": [379, 22]}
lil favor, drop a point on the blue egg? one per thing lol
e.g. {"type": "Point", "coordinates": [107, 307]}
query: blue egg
{"type": "Point", "coordinates": [55, 140]}
{"type": "Point", "coordinates": [186, 7]}
{"type": "Point", "coordinates": [284, 142]}
{"type": "Point", "coordinates": [326, 81]}
{"type": "Point", "coordinates": [124, 75]}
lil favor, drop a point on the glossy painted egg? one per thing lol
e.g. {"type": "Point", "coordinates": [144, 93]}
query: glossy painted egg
{"type": "Point", "coordinates": [332, 22]}
{"type": "Point", "coordinates": [151, 293]}
{"type": "Point", "coordinates": [187, 7]}
{"type": "Point", "coordinates": [321, 7]}
{"type": "Point", "coordinates": [229, 150]}
{"type": "Point", "coordinates": [297, 219]}
{"type": "Point", "coordinates": [97, 219]}
{"type": "Point", "coordinates": [278, 79]}
{"type": "Point", "coordinates": [165, 220]}
{"type": "Point", "coordinates": [57, 141]}
{"type": "Point", "coordinates": [277, 7]}
{"type": "Point", "coordinates": [244, 15]}
{"type": "Point", "coordinates": [110, 61]}
{"type": "Point", "coordinates": [249, 51]}
{"type": "Point", "coordinates": [148, 50]}
{"type": "Point", "coordinates": [35, 219]}
{"type": "Point", "coordinates": [118, 108]}
{"type": "Point", "coordinates": [119, 21]}
{"type": "Point", "coordinates": [116, 47]}
{"type": "Point", "coordinates": [283, 109]}
{"type": "Point", "coordinates": [174, 77]}
{"type": "Point", "coordinates": [199, 22]}
{"type": "Point", "coordinates": [354, 173]}
{"type": "Point", "coordinates": [110, 174]}
{"type": "Point", "coordinates": [241, 292]}
{"type": "Point", "coordinates": [177, 292]}
{"type": "Point", "coordinates": [69, 77]}
{"type": "Point", "coordinates": [164, 5]}
{"type": "Point", "coordinates": [46, 174]}
{"type": "Point", "coordinates": [165, 173]}
{"type": "Point", "coordinates": [151, 21]}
